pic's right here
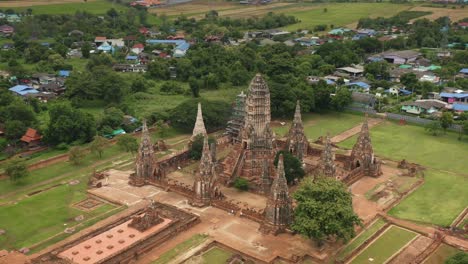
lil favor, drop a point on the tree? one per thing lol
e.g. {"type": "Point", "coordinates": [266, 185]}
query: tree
{"type": "Point", "coordinates": [409, 80]}
{"type": "Point", "coordinates": [241, 184]}
{"type": "Point", "coordinates": [85, 50]}
{"type": "Point", "coordinates": [16, 169]}
{"type": "Point", "coordinates": [465, 127]}
{"type": "Point", "coordinates": [194, 87]}
{"type": "Point", "coordinates": [68, 124]}
{"type": "Point", "coordinates": [98, 145]}
{"type": "Point", "coordinates": [459, 258]}
{"type": "Point", "coordinates": [324, 209]}
{"type": "Point", "coordinates": [139, 85]}
{"type": "Point", "coordinates": [161, 128]}
{"type": "Point", "coordinates": [14, 129]}
{"type": "Point", "coordinates": [113, 117]}
{"type": "Point", "coordinates": [446, 120]}
{"type": "Point", "coordinates": [292, 166]}
{"type": "Point", "coordinates": [127, 143]}
{"type": "Point", "coordinates": [76, 155]}
{"type": "Point", "coordinates": [433, 128]}
{"type": "Point", "coordinates": [341, 99]}
{"type": "Point", "coordinates": [379, 69]}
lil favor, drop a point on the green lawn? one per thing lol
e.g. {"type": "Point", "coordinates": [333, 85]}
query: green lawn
{"type": "Point", "coordinates": [385, 246]}
{"type": "Point", "coordinates": [342, 14]}
{"type": "Point", "coordinates": [182, 247]}
{"type": "Point", "coordinates": [371, 230]}
{"type": "Point", "coordinates": [414, 144]}
{"type": "Point", "coordinates": [443, 195]}
{"type": "Point", "coordinates": [442, 253]}
{"type": "Point", "coordinates": [91, 6]}
{"type": "Point", "coordinates": [216, 255]}
{"type": "Point", "coordinates": [316, 125]}
{"type": "Point", "coordinates": [40, 216]}
{"type": "Point", "coordinates": [439, 200]}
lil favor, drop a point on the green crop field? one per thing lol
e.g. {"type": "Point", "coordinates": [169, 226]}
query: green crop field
{"type": "Point", "coordinates": [316, 125]}
{"type": "Point", "coordinates": [216, 255]}
{"type": "Point", "coordinates": [385, 246]}
{"type": "Point", "coordinates": [342, 14]}
{"type": "Point", "coordinates": [361, 238]}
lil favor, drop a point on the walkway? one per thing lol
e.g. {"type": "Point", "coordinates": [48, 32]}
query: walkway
{"type": "Point", "coordinates": [355, 130]}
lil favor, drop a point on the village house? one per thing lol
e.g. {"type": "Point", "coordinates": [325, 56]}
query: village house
{"type": "Point", "coordinates": [395, 90]}
{"type": "Point", "coordinates": [99, 40]}
{"type": "Point", "coordinates": [455, 97]}
{"type": "Point", "coordinates": [359, 86]}
{"type": "Point", "coordinates": [31, 138]}
{"type": "Point", "coordinates": [42, 78]}
{"type": "Point", "coordinates": [130, 67]}
{"type": "Point", "coordinates": [22, 90]}
{"type": "Point", "coordinates": [180, 49]}
{"type": "Point", "coordinates": [353, 72]}
{"type": "Point", "coordinates": [401, 57]}
{"type": "Point", "coordinates": [138, 48]}
{"type": "Point", "coordinates": [146, 3]}
{"type": "Point", "coordinates": [463, 73]}
{"type": "Point", "coordinates": [13, 18]}
{"type": "Point", "coordinates": [427, 106]}
{"type": "Point", "coordinates": [363, 100]}
{"type": "Point", "coordinates": [6, 30]}
{"type": "Point", "coordinates": [271, 33]}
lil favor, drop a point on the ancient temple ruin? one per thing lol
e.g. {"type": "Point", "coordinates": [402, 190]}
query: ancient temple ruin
{"type": "Point", "coordinates": [205, 186]}
{"type": "Point", "coordinates": [257, 143]}
{"type": "Point", "coordinates": [327, 160]}
{"type": "Point", "coordinates": [236, 123]}
{"type": "Point", "coordinates": [297, 143]}
{"type": "Point", "coordinates": [278, 212]}
{"type": "Point", "coordinates": [145, 165]}
{"type": "Point", "coordinates": [362, 156]}
{"type": "Point", "coordinates": [199, 128]}
{"type": "Point", "coordinates": [149, 219]}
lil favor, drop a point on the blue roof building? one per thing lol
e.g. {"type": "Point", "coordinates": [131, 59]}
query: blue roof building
{"type": "Point", "coordinates": [181, 46]}
{"type": "Point", "coordinates": [464, 71]}
{"type": "Point", "coordinates": [23, 89]}
{"type": "Point", "coordinates": [460, 107]}
{"type": "Point", "coordinates": [361, 85]}
{"type": "Point", "coordinates": [63, 73]}
{"type": "Point", "coordinates": [131, 57]}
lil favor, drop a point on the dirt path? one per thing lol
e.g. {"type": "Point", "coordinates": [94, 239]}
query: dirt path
{"type": "Point", "coordinates": [355, 130]}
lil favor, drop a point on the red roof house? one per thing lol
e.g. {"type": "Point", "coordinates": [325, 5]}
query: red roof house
{"type": "Point", "coordinates": [32, 137]}
{"type": "Point", "coordinates": [144, 31]}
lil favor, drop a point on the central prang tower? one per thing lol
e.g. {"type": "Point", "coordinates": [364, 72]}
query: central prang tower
{"type": "Point", "coordinates": [256, 149]}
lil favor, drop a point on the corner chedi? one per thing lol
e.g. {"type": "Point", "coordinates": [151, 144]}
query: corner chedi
{"type": "Point", "coordinates": [149, 219]}
{"type": "Point", "coordinates": [257, 143]}
{"type": "Point", "coordinates": [205, 186]}
{"type": "Point", "coordinates": [145, 165]}
{"type": "Point", "coordinates": [278, 212]}
{"type": "Point", "coordinates": [297, 143]}
{"type": "Point", "coordinates": [199, 128]}
{"type": "Point", "coordinates": [362, 156]}
{"type": "Point", "coordinates": [327, 160]}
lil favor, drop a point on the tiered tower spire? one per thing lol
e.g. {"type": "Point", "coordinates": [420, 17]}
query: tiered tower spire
{"type": "Point", "coordinates": [327, 160]}
{"type": "Point", "coordinates": [278, 210]}
{"type": "Point", "coordinates": [297, 141]}
{"type": "Point", "coordinates": [204, 187]}
{"type": "Point", "coordinates": [145, 165]}
{"type": "Point", "coordinates": [199, 127]}
{"type": "Point", "coordinates": [362, 155]}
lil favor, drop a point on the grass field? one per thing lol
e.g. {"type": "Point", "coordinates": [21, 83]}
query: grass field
{"type": "Point", "coordinates": [316, 125]}
{"type": "Point", "coordinates": [70, 7]}
{"type": "Point", "coordinates": [439, 200]}
{"type": "Point", "coordinates": [40, 216]}
{"type": "Point", "coordinates": [385, 246]}
{"type": "Point", "coordinates": [361, 238]}
{"type": "Point", "coordinates": [442, 253]}
{"type": "Point", "coordinates": [182, 247]}
{"type": "Point", "coordinates": [443, 195]}
{"type": "Point", "coordinates": [454, 14]}
{"type": "Point", "coordinates": [342, 14]}
{"type": "Point", "coordinates": [216, 255]}
{"type": "Point", "coordinates": [414, 144]}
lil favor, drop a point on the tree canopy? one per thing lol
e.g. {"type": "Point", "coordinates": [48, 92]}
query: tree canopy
{"type": "Point", "coordinates": [324, 209]}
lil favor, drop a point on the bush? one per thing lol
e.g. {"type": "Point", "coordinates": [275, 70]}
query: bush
{"type": "Point", "coordinates": [241, 184]}
{"type": "Point", "coordinates": [62, 146]}
{"type": "Point", "coordinates": [171, 88]}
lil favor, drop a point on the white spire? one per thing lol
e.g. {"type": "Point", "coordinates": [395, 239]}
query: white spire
{"type": "Point", "coordinates": [199, 127]}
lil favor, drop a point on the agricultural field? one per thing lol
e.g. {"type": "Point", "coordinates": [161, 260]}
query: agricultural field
{"type": "Point", "coordinates": [454, 14]}
{"type": "Point", "coordinates": [389, 243]}
{"type": "Point", "coordinates": [317, 125]}
{"type": "Point", "coordinates": [442, 197]}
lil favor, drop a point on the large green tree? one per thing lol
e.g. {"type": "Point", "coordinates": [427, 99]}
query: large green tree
{"type": "Point", "coordinates": [292, 166]}
{"type": "Point", "coordinates": [68, 124]}
{"type": "Point", "coordinates": [16, 169]}
{"type": "Point", "coordinates": [127, 143]}
{"type": "Point", "coordinates": [324, 209]}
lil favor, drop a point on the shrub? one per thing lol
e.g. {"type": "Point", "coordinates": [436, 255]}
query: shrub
{"type": "Point", "coordinates": [241, 184]}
